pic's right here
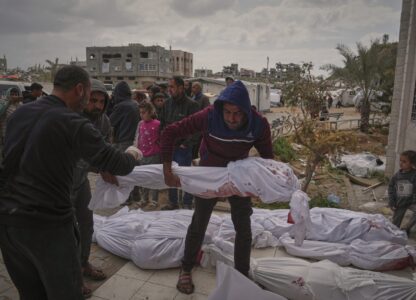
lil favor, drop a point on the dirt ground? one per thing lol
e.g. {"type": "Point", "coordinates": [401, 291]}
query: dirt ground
{"type": "Point", "coordinates": [327, 180]}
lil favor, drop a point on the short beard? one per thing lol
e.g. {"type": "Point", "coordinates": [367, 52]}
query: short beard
{"type": "Point", "coordinates": [93, 115]}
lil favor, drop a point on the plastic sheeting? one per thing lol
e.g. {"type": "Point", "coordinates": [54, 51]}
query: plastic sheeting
{"type": "Point", "coordinates": [374, 255]}
{"type": "Point", "coordinates": [362, 164]}
{"type": "Point", "coordinates": [298, 279]}
{"type": "Point", "coordinates": [156, 239]}
{"type": "Point", "coordinates": [232, 285]}
{"type": "Point", "coordinates": [267, 179]}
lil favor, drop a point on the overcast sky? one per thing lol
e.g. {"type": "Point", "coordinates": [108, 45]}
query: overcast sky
{"type": "Point", "coordinates": [217, 32]}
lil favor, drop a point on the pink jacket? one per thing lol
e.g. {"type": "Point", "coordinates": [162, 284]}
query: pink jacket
{"type": "Point", "coordinates": [148, 137]}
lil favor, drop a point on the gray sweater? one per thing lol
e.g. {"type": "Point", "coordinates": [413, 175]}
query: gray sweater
{"type": "Point", "coordinates": [402, 189]}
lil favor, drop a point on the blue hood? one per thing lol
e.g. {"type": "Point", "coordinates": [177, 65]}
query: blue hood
{"type": "Point", "coordinates": [236, 94]}
{"type": "Point", "coordinates": [121, 92]}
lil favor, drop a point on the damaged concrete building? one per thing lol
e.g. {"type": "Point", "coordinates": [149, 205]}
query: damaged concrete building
{"type": "Point", "coordinates": [137, 64]}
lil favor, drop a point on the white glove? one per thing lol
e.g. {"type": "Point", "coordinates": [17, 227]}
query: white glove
{"type": "Point", "coordinates": [137, 154]}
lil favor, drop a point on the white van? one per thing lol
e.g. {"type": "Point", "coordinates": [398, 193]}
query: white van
{"type": "Point", "coordinates": [5, 85]}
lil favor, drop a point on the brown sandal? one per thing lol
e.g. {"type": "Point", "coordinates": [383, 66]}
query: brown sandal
{"type": "Point", "coordinates": [185, 284]}
{"type": "Point", "coordinates": [93, 273]}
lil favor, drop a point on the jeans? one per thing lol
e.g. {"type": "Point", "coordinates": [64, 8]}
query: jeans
{"type": "Point", "coordinates": [184, 158]}
{"type": "Point", "coordinates": [240, 214]}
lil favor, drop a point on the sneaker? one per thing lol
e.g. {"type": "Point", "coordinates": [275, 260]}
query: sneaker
{"type": "Point", "coordinates": [170, 206]}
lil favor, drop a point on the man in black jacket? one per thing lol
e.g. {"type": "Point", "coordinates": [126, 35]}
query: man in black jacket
{"type": "Point", "coordinates": [35, 93]}
{"type": "Point", "coordinates": [125, 116]}
{"type": "Point", "coordinates": [38, 235]}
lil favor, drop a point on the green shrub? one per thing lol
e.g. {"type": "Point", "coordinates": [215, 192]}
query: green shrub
{"type": "Point", "coordinates": [283, 149]}
{"type": "Point", "coordinates": [321, 201]}
{"type": "Point", "coordinates": [317, 201]}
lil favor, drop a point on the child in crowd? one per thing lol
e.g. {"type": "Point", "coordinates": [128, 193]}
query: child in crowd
{"type": "Point", "coordinates": [402, 189]}
{"type": "Point", "coordinates": [158, 101]}
{"type": "Point", "coordinates": [147, 140]}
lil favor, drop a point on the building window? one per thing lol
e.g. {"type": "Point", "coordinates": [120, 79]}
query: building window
{"type": "Point", "coordinates": [92, 56]}
{"type": "Point", "coordinates": [413, 118]}
{"type": "Point", "coordinates": [120, 78]}
{"type": "Point", "coordinates": [129, 65]}
{"type": "Point", "coordinates": [144, 54]}
{"type": "Point", "coordinates": [108, 56]}
{"type": "Point", "coordinates": [129, 55]}
{"type": "Point", "coordinates": [95, 77]}
{"type": "Point", "coordinates": [105, 68]}
{"type": "Point", "coordinates": [117, 68]}
{"type": "Point", "coordinates": [132, 78]}
{"type": "Point", "coordinates": [146, 67]}
{"type": "Point", "coordinates": [107, 78]}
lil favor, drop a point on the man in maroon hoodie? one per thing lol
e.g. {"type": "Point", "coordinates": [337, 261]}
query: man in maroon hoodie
{"type": "Point", "coordinates": [229, 129]}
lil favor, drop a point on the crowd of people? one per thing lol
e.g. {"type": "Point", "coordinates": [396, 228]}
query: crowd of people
{"type": "Point", "coordinates": [50, 143]}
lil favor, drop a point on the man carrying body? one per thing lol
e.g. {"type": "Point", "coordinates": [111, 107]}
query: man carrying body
{"type": "Point", "coordinates": [176, 108]}
{"type": "Point", "coordinates": [229, 129]}
{"type": "Point", "coordinates": [38, 235]}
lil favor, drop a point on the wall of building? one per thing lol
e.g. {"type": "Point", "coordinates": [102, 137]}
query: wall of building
{"type": "Point", "coordinates": [3, 64]}
{"type": "Point", "coordinates": [182, 63]}
{"type": "Point", "coordinates": [135, 63]}
{"type": "Point", "coordinates": [402, 131]}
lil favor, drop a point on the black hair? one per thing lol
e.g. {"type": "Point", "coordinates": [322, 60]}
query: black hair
{"type": "Point", "coordinates": [158, 95]}
{"type": "Point", "coordinates": [155, 89]}
{"type": "Point", "coordinates": [69, 76]}
{"type": "Point", "coordinates": [178, 80]}
{"type": "Point", "coordinates": [411, 156]}
{"type": "Point", "coordinates": [140, 95]}
{"type": "Point", "coordinates": [36, 86]}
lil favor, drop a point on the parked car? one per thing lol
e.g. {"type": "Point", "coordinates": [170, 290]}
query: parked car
{"type": "Point", "coordinates": [376, 102]}
{"type": "Point", "coordinates": [5, 85]}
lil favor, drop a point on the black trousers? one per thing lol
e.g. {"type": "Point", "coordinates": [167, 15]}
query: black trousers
{"type": "Point", "coordinates": [241, 211]}
{"type": "Point", "coordinates": [81, 198]}
{"type": "Point", "coordinates": [43, 263]}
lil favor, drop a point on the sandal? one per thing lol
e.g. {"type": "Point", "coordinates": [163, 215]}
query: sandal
{"type": "Point", "coordinates": [93, 273]}
{"type": "Point", "coordinates": [185, 284]}
{"type": "Point", "coordinates": [86, 292]}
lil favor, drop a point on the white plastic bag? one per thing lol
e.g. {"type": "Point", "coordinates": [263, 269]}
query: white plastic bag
{"type": "Point", "coordinates": [232, 285]}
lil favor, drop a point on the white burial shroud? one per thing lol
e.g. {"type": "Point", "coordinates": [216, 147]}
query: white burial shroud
{"type": "Point", "coordinates": [270, 180]}
{"type": "Point", "coordinates": [298, 279]}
